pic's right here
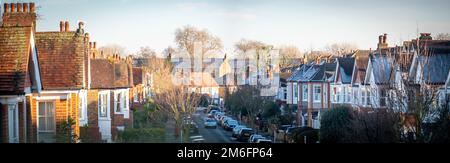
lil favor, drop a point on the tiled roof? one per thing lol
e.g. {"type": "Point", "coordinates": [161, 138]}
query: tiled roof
{"type": "Point", "coordinates": [61, 59]}
{"type": "Point", "coordinates": [122, 74]}
{"type": "Point", "coordinates": [382, 65]}
{"type": "Point", "coordinates": [14, 59]}
{"type": "Point", "coordinates": [436, 68]}
{"type": "Point", "coordinates": [102, 74]}
{"type": "Point", "coordinates": [346, 66]}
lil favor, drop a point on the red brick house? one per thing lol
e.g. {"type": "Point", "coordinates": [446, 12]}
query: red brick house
{"type": "Point", "coordinates": [20, 78]}
{"type": "Point", "coordinates": [109, 96]}
{"type": "Point", "coordinates": [63, 60]}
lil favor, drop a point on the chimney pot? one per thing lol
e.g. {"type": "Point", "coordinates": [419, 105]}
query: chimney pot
{"type": "Point", "coordinates": [6, 6]}
{"type": "Point", "coordinates": [61, 26]}
{"type": "Point", "coordinates": [19, 7]}
{"type": "Point", "coordinates": [385, 38]}
{"type": "Point", "coordinates": [90, 45]}
{"type": "Point", "coordinates": [95, 45]}
{"type": "Point", "coordinates": [32, 7]}
{"type": "Point", "coordinates": [25, 7]}
{"type": "Point", "coordinates": [13, 7]}
{"type": "Point", "coordinates": [67, 27]}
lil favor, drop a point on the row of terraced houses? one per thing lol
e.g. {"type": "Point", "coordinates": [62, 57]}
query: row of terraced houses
{"type": "Point", "coordinates": [388, 77]}
{"type": "Point", "coordinates": [50, 78]}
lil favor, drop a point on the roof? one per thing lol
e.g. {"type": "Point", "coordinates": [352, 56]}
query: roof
{"type": "Point", "coordinates": [296, 75]}
{"type": "Point", "coordinates": [137, 75]}
{"type": "Point", "coordinates": [361, 62]}
{"type": "Point", "coordinates": [436, 68]}
{"type": "Point", "coordinates": [345, 71]}
{"type": "Point", "coordinates": [434, 57]}
{"type": "Point", "coordinates": [62, 56]}
{"type": "Point", "coordinates": [122, 74]}
{"type": "Point", "coordinates": [382, 65]}
{"type": "Point", "coordinates": [14, 58]}
{"type": "Point", "coordinates": [102, 74]}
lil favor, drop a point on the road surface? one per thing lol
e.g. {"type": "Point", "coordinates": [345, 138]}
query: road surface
{"type": "Point", "coordinates": [218, 135]}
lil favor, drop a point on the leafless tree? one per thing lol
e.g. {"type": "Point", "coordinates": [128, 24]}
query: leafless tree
{"type": "Point", "coordinates": [113, 49]}
{"type": "Point", "coordinates": [341, 49]}
{"type": "Point", "coordinates": [442, 36]}
{"type": "Point", "coordinates": [145, 52]}
{"type": "Point", "coordinates": [187, 37]}
{"type": "Point", "coordinates": [289, 56]}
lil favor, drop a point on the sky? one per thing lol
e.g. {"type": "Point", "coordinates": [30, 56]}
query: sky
{"type": "Point", "coordinates": [309, 25]}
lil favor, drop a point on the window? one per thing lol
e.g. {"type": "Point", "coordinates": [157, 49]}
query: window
{"type": "Point", "coordinates": [119, 102]}
{"type": "Point", "coordinates": [82, 107]}
{"type": "Point", "coordinates": [46, 122]}
{"type": "Point", "coordinates": [338, 94]}
{"type": "Point", "coordinates": [363, 97]}
{"type": "Point", "coordinates": [333, 93]}
{"type": "Point", "coordinates": [305, 93]}
{"type": "Point", "coordinates": [317, 93]}
{"type": "Point", "coordinates": [102, 105]}
{"type": "Point", "coordinates": [383, 97]}
{"type": "Point", "coordinates": [295, 91]}
{"type": "Point", "coordinates": [135, 94]}
{"type": "Point", "coordinates": [349, 95]}
{"type": "Point", "coordinates": [13, 124]}
{"type": "Point", "coordinates": [369, 101]}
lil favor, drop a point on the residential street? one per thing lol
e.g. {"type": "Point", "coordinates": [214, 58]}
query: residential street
{"type": "Point", "coordinates": [218, 135]}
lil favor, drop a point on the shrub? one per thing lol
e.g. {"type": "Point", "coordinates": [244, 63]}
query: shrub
{"type": "Point", "coordinates": [142, 135]}
{"type": "Point", "coordinates": [336, 126]}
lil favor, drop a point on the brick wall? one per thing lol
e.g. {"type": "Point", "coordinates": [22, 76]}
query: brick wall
{"type": "Point", "coordinates": [92, 131]}
{"type": "Point", "coordinates": [63, 109]}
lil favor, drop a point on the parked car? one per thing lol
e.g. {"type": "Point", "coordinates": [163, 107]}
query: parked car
{"type": "Point", "coordinates": [218, 116]}
{"type": "Point", "coordinates": [210, 123]}
{"type": "Point", "coordinates": [245, 134]}
{"type": "Point", "coordinates": [264, 141]}
{"type": "Point", "coordinates": [236, 130]}
{"type": "Point", "coordinates": [230, 124]}
{"type": "Point", "coordinates": [211, 108]}
{"type": "Point", "coordinates": [254, 138]}
{"type": "Point", "coordinates": [224, 120]}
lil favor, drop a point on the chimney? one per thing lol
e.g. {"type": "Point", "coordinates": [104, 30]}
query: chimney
{"type": "Point", "coordinates": [67, 27]}
{"type": "Point", "coordinates": [385, 38]}
{"type": "Point", "coordinates": [13, 7]}
{"type": "Point", "coordinates": [7, 10]}
{"type": "Point", "coordinates": [32, 8]}
{"type": "Point", "coordinates": [19, 7]}
{"type": "Point", "coordinates": [86, 37]}
{"type": "Point", "coordinates": [61, 26]}
{"type": "Point", "coordinates": [380, 40]}
{"type": "Point", "coordinates": [25, 7]}
{"type": "Point", "coordinates": [425, 36]}
{"type": "Point", "coordinates": [95, 45]}
{"type": "Point", "coordinates": [90, 45]}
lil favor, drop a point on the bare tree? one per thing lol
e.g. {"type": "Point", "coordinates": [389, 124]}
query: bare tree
{"type": "Point", "coordinates": [113, 49]}
{"type": "Point", "coordinates": [289, 56]}
{"type": "Point", "coordinates": [341, 49]}
{"type": "Point", "coordinates": [145, 52]}
{"type": "Point", "coordinates": [246, 45]}
{"type": "Point", "coordinates": [442, 36]}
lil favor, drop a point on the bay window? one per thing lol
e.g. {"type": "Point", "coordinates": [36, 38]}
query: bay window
{"type": "Point", "coordinates": [317, 93]}
{"type": "Point", "coordinates": [305, 93]}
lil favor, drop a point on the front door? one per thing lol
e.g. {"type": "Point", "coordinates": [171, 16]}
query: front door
{"type": "Point", "coordinates": [13, 123]}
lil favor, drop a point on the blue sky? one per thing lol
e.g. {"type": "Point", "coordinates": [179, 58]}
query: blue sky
{"type": "Point", "coordinates": [306, 24]}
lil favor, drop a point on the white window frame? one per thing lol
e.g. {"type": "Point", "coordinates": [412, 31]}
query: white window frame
{"type": "Point", "coordinates": [38, 130]}
{"type": "Point", "coordinates": [101, 105]}
{"type": "Point", "coordinates": [305, 92]}
{"type": "Point", "coordinates": [348, 99]}
{"type": "Point", "coordinates": [317, 96]}
{"type": "Point", "coordinates": [120, 102]}
{"type": "Point", "coordinates": [82, 107]}
{"type": "Point", "coordinates": [13, 123]}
